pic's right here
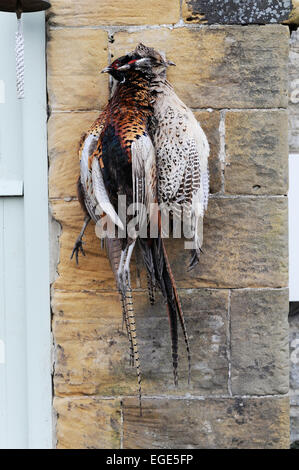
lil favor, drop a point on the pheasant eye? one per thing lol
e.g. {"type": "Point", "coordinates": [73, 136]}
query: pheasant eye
{"type": "Point", "coordinates": [132, 61]}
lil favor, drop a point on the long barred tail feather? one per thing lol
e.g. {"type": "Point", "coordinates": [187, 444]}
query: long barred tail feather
{"type": "Point", "coordinates": [114, 249]}
{"type": "Point", "coordinates": [194, 258]}
{"type": "Point", "coordinates": [167, 290]}
{"type": "Point", "coordinates": [172, 317]}
{"type": "Point", "coordinates": [179, 311]}
{"type": "Point", "coordinates": [132, 326]}
{"type": "Point", "coordinates": [150, 270]}
{"type": "Point", "coordinates": [151, 289]}
{"type": "Point", "coordinates": [127, 323]}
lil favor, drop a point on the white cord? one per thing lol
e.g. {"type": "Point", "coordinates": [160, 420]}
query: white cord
{"type": "Point", "coordinates": [20, 60]}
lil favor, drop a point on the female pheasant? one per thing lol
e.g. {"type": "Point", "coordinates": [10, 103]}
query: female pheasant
{"type": "Point", "coordinates": [182, 152]}
{"type": "Point", "coordinates": [117, 158]}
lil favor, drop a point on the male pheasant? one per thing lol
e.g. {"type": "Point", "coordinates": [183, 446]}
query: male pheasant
{"type": "Point", "coordinates": [117, 158]}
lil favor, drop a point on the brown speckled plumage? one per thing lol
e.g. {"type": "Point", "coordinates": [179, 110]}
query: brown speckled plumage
{"type": "Point", "coordinates": [117, 157]}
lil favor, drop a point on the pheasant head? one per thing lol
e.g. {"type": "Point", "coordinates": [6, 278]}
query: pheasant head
{"type": "Point", "coordinates": [144, 61]}
{"type": "Point", "coordinates": [153, 60]}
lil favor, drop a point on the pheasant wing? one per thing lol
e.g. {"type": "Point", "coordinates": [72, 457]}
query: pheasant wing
{"type": "Point", "coordinates": [143, 176]}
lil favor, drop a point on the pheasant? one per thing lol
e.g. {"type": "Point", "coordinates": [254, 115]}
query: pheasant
{"type": "Point", "coordinates": [117, 158]}
{"type": "Point", "coordinates": [182, 152]}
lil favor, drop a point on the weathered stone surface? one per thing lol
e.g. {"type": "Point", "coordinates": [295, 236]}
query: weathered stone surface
{"type": "Point", "coordinates": [207, 59]}
{"type": "Point", "coordinates": [294, 415]}
{"type": "Point", "coordinates": [118, 12]}
{"type": "Point", "coordinates": [261, 423]}
{"type": "Point", "coordinates": [94, 271]}
{"type": "Point", "coordinates": [245, 245]}
{"type": "Point", "coordinates": [294, 375]}
{"type": "Point", "coordinates": [236, 12]}
{"type": "Point", "coordinates": [87, 423]}
{"type": "Point", "coordinates": [294, 93]}
{"type": "Point", "coordinates": [259, 342]}
{"type": "Point", "coordinates": [92, 350]}
{"type": "Point", "coordinates": [64, 132]}
{"type": "Point", "coordinates": [75, 59]}
{"type": "Point", "coordinates": [294, 16]}
{"type": "Point", "coordinates": [256, 152]}
{"type": "Point", "coordinates": [294, 354]}
{"type": "Point", "coordinates": [210, 121]}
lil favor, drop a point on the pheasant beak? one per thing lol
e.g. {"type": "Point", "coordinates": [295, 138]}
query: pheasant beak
{"type": "Point", "coordinates": [169, 62]}
{"type": "Point", "coordinates": [107, 69]}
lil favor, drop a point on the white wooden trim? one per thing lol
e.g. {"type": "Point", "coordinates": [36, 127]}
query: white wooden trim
{"type": "Point", "coordinates": [11, 188]}
{"type": "Point", "coordinates": [25, 321]}
{"type": "Point", "coordinates": [36, 222]}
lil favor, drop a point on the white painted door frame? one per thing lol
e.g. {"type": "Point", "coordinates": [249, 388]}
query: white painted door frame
{"type": "Point", "coordinates": [25, 321]}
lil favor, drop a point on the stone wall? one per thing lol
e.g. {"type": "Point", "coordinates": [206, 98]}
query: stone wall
{"type": "Point", "coordinates": [294, 373]}
{"type": "Point", "coordinates": [294, 93]}
{"type": "Point", "coordinates": [236, 302]}
{"type": "Point", "coordinates": [294, 310]}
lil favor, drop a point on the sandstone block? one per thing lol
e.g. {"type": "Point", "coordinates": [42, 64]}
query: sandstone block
{"type": "Point", "coordinates": [64, 132]}
{"type": "Point", "coordinates": [92, 349]}
{"type": "Point", "coordinates": [256, 152]}
{"type": "Point", "coordinates": [87, 423]}
{"type": "Point", "coordinates": [245, 245]}
{"type": "Point", "coordinates": [259, 342]}
{"type": "Point", "coordinates": [248, 423]}
{"type": "Point", "coordinates": [75, 60]}
{"type": "Point", "coordinates": [118, 12]}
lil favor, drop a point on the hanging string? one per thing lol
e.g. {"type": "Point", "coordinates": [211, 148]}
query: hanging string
{"type": "Point", "coordinates": [20, 60]}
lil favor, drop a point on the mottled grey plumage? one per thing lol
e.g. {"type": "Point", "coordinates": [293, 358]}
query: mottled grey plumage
{"type": "Point", "coordinates": [182, 151]}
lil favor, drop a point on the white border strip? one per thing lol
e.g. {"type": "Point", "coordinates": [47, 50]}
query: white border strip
{"type": "Point", "coordinates": [34, 108]}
